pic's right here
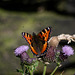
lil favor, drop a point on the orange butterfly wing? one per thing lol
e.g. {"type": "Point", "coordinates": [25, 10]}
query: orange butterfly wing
{"type": "Point", "coordinates": [45, 35]}
{"type": "Point", "coordinates": [28, 38]}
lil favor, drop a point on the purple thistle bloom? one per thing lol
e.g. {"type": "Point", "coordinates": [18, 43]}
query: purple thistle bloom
{"type": "Point", "coordinates": [20, 50]}
{"type": "Point", "coordinates": [67, 50]}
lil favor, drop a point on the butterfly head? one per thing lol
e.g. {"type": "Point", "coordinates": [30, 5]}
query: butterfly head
{"type": "Point", "coordinates": [34, 34]}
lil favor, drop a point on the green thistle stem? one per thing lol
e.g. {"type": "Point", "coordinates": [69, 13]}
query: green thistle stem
{"type": "Point", "coordinates": [31, 72]}
{"type": "Point", "coordinates": [58, 64]}
{"type": "Point", "coordinates": [62, 73]}
{"type": "Point", "coordinates": [44, 71]}
{"type": "Point", "coordinates": [54, 70]}
{"type": "Point", "coordinates": [22, 73]}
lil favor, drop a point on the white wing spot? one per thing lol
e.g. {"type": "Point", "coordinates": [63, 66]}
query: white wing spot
{"type": "Point", "coordinates": [23, 33]}
{"type": "Point", "coordinates": [48, 28]}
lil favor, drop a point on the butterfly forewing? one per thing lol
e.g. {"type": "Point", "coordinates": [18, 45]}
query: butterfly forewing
{"type": "Point", "coordinates": [45, 34]}
{"type": "Point", "coordinates": [29, 39]}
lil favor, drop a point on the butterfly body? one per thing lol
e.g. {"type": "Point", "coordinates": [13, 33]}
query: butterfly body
{"type": "Point", "coordinates": [38, 43]}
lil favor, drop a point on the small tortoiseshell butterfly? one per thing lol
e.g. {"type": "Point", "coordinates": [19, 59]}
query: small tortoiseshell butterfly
{"type": "Point", "coordinates": [38, 43]}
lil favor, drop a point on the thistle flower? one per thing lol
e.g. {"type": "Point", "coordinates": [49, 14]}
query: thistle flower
{"type": "Point", "coordinates": [50, 55]}
{"type": "Point", "coordinates": [21, 49]}
{"type": "Point", "coordinates": [67, 50]}
{"type": "Point", "coordinates": [51, 51]}
{"type": "Point", "coordinates": [22, 53]}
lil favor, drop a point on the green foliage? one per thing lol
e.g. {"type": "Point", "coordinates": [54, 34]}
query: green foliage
{"type": "Point", "coordinates": [28, 68]}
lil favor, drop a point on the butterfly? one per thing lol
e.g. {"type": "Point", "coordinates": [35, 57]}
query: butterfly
{"type": "Point", "coordinates": [38, 43]}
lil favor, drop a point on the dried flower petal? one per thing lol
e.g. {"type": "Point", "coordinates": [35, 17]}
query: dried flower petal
{"type": "Point", "coordinates": [21, 49]}
{"type": "Point", "coordinates": [67, 50]}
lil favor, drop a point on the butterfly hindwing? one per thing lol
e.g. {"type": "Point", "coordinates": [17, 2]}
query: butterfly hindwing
{"type": "Point", "coordinates": [44, 49]}
{"type": "Point", "coordinates": [33, 50]}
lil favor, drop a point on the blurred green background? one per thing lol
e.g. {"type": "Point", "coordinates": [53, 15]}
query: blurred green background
{"type": "Point", "coordinates": [17, 16]}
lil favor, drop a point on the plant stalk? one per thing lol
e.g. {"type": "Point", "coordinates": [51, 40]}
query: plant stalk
{"type": "Point", "coordinates": [31, 72]}
{"type": "Point", "coordinates": [44, 71]}
{"type": "Point", "coordinates": [58, 65]}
